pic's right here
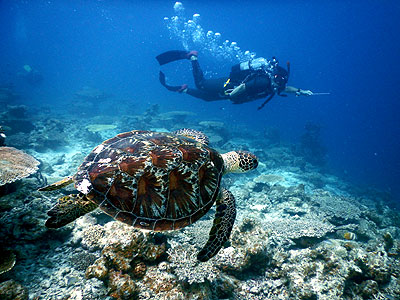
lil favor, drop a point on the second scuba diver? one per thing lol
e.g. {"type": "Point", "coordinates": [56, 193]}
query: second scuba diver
{"type": "Point", "coordinates": [248, 81]}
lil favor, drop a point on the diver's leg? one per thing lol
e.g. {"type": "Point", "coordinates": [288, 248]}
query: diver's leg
{"type": "Point", "coordinates": [176, 88]}
{"type": "Point", "coordinates": [215, 85]}
{"type": "Point", "coordinates": [202, 95]}
{"type": "Point", "coordinates": [197, 73]}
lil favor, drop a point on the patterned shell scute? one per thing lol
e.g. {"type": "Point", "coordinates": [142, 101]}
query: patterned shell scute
{"type": "Point", "coordinates": [157, 181]}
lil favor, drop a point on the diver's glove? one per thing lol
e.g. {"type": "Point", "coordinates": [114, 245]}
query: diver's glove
{"type": "Point", "coordinates": [183, 88]}
{"type": "Point", "coordinates": [301, 92]}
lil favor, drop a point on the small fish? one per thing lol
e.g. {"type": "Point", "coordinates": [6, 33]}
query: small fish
{"type": "Point", "coordinates": [349, 236]}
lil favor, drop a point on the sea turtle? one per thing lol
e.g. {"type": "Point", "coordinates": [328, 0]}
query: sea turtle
{"type": "Point", "coordinates": [155, 181]}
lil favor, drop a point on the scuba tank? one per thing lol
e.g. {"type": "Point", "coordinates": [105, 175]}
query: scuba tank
{"type": "Point", "coordinates": [248, 70]}
{"type": "Point", "coordinates": [258, 64]}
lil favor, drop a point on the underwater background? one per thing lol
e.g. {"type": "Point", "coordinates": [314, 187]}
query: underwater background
{"type": "Point", "coordinates": [349, 49]}
{"type": "Point", "coordinates": [74, 73]}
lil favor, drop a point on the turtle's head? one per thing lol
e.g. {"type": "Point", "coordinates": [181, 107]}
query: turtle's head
{"type": "Point", "coordinates": [239, 161]}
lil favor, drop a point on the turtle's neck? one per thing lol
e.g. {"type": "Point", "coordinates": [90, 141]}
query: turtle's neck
{"type": "Point", "coordinates": [231, 162]}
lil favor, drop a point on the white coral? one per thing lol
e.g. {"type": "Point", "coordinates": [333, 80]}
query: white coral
{"type": "Point", "coordinates": [338, 207]}
{"type": "Point", "coordinates": [186, 266]}
{"type": "Point", "coordinates": [92, 237]}
{"type": "Point", "coordinates": [294, 228]}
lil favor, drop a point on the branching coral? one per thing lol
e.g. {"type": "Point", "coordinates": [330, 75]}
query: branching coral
{"type": "Point", "coordinates": [186, 266]}
{"type": "Point", "coordinates": [82, 260]}
{"type": "Point", "coordinates": [11, 289]}
{"type": "Point", "coordinates": [92, 236]}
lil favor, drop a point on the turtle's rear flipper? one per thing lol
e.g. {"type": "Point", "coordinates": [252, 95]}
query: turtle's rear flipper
{"type": "Point", "coordinates": [57, 185]}
{"type": "Point", "coordinates": [221, 230]}
{"type": "Point", "coordinates": [68, 209]}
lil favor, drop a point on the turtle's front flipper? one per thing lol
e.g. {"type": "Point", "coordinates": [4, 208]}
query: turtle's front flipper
{"type": "Point", "coordinates": [68, 209]}
{"type": "Point", "coordinates": [221, 230]}
{"type": "Point", "coordinates": [57, 185]}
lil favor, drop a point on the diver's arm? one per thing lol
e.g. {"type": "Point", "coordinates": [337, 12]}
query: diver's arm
{"type": "Point", "coordinates": [297, 91]}
{"type": "Point", "coordinates": [237, 92]}
{"type": "Point", "coordinates": [254, 87]}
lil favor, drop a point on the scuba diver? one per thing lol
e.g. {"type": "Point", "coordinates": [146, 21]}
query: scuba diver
{"type": "Point", "coordinates": [247, 81]}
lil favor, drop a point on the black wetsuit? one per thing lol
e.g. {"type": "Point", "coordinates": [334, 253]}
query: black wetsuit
{"type": "Point", "coordinates": [258, 84]}
{"type": "Point", "coordinates": [2, 138]}
{"type": "Point", "coordinates": [207, 89]}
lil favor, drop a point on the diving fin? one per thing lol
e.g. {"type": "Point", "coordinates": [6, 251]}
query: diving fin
{"type": "Point", "coordinates": [171, 56]}
{"type": "Point", "coordinates": [168, 87]}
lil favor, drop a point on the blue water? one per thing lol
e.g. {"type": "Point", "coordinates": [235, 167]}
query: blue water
{"type": "Point", "coordinates": [347, 48]}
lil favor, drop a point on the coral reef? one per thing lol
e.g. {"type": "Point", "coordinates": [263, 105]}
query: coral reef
{"type": "Point", "coordinates": [178, 116]}
{"type": "Point", "coordinates": [173, 119]}
{"type": "Point", "coordinates": [338, 210]}
{"type": "Point", "coordinates": [90, 94]}
{"type": "Point", "coordinates": [100, 127]}
{"type": "Point", "coordinates": [187, 268]}
{"type": "Point", "coordinates": [299, 228]}
{"type": "Point", "coordinates": [7, 94]}
{"type": "Point", "coordinates": [123, 257]}
{"type": "Point", "coordinates": [299, 234]}
{"type": "Point", "coordinates": [11, 290]}
{"type": "Point", "coordinates": [48, 134]}
{"type": "Point", "coordinates": [16, 119]}
{"type": "Point", "coordinates": [311, 147]}
{"type": "Point", "coordinates": [15, 164]}
{"type": "Point", "coordinates": [272, 136]}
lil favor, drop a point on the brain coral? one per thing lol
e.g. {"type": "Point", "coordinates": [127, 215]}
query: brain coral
{"type": "Point", "coordinates": [15, 164]}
